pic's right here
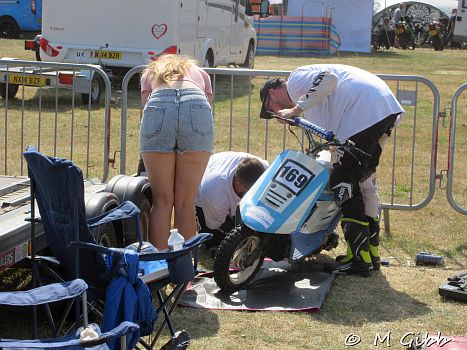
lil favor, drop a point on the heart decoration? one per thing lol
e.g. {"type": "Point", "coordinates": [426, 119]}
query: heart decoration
{"type": "Point", "coordinates": [158, 30]}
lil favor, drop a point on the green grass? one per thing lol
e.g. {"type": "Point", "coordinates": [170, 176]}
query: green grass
{"type": "Point", "coordinates": [403, 297]}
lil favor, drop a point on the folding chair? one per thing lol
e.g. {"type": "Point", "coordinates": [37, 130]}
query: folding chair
{"type": "Point", "coordinates": [89, 335]}
{"type": "Point", "coordinates": [117, 277]}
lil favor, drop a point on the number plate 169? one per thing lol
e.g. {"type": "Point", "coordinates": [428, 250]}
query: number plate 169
{"type": "Point", "coordinates": [293, 176]}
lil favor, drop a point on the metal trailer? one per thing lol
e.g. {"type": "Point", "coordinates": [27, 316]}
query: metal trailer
{"type": "Point", "coordinates": [83, 81]}
{"type": "Point", "coordinates": [15, 210]}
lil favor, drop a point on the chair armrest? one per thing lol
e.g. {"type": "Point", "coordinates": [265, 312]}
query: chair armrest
{"type": "Point", "coordinates": [124, 211]}
{"type": "Point", "coordinates": [121, 330]}
{"type": "Point", "coordinates": [188, 246]}
{"type": "Point", "coordinates": [46, 294]}
{"type": "Point", "coordinates": [73, 342]}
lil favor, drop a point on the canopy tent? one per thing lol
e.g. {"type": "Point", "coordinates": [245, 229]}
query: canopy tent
{"type": "Point", "coordinates": [420, 12]}
{"type": "Point", "coordinates": [444, 5]}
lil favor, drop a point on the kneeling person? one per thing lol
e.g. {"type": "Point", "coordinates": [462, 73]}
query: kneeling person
{"type": "Point", "coordinates": [228, 176]}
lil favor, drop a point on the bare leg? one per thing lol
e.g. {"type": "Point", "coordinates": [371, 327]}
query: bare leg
{"type": "Point", "coordinates": [189, 172]}
{"type": "Point", "coordinates": [161, 174]}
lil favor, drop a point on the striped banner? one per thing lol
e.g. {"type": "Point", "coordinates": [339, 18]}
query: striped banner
{"type": "Point", "coordinates": [296, 36]}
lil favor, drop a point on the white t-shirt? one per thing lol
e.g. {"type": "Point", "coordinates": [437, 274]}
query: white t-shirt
{"type": "Point", "coordinates": [216, 195]}
{"type": "Point", "coordinates": [341, 98]}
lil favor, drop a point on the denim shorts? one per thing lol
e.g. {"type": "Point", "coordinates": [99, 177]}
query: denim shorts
{"type": "Point", "coordinates": [177, 120]}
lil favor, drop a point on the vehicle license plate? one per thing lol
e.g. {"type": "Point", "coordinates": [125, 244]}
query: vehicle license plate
{"type": "Point", "coordinates": [108, 55]}
{"type": "Point", "coordinates": [26, 80]}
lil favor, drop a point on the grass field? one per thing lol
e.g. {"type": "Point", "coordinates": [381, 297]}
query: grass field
{"type": "Point", "coordinates": [401, 298]}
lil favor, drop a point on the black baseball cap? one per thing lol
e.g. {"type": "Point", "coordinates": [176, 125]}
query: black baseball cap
{"type": "Point", "coordinates": [264, 93]}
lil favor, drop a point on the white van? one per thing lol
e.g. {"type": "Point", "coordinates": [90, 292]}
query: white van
{"type": "Point", "coordinates": [123, 33]}
{"type": "Point", "coordinates": [460, 28]}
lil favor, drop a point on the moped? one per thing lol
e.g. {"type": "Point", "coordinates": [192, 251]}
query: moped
{"type": "Point", "coordinates": [437, 34]}
{"type": "Point", "coordinates": [289, 212]}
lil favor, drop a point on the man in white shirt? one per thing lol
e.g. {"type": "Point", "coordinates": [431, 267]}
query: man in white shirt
{"type": "Point", "coordinates": [228, 176]}
{"type": "Point", "coordinates": [355, 105]}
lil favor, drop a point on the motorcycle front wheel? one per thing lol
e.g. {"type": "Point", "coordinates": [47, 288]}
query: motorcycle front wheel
{"type": "Point", "coordinates": [237, 259]}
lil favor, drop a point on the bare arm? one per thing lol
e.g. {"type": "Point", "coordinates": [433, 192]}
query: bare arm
{"type": "Point", "coordinates": [209, 97]}
{"type": "Point", "coordinates": [323, 84]}
{"type": "Point", "coordinates": [144, 96]}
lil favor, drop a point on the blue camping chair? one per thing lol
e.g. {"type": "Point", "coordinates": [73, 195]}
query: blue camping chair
{"type": "Point", "coordinates": [120, 279]}
{"type": "Point", "coordinates": [88, 336]}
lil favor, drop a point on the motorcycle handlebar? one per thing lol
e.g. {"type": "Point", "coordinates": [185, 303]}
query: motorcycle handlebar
{"type": "Point", "coordinates": [305, 124]}
{"type": "Point", "coordinates": [315, 129]}
{"type": "Point", "coordinates": [329, 136]}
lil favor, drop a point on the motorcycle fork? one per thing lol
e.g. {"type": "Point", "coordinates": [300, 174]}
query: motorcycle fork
{"type": "Point", "coordinates": [263, 243]}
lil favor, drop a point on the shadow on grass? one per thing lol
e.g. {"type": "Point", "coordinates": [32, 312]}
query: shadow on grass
{"type": "Point", "coordinates": [354, 301]}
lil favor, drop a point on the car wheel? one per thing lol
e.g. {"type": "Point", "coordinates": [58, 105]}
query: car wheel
{"type": "Point", "coordinates": [12, 90]}
{"type": "Point", "coordinates": [8, 28]}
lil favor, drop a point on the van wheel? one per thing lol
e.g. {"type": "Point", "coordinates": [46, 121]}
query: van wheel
{"type": "Point", "coordinates": [250, 57]}
{"type": "Point", "coordinates": [106, 235]}
{"type": "Point", "coordinates": [12, 90]}
{"type": "Point", "coordinates": [97, 85]}
{"type": "Point", "coordinates": [8, 28]}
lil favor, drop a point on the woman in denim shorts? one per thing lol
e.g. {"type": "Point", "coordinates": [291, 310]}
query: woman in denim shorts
{"type": "Point", "coordinates": [176, 140]}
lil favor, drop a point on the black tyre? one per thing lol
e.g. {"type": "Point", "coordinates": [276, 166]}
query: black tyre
{"type": "Point", "coordinates": [12, 90]}
{"type": "Point", "coordinates": [97, 85]}
{"type": "Point", "coordinates": [250, 57]}
{"type": "Point", "coordinates": [421, 37]}
{"type": "Point", "coordinates": [233, 253]}
{"type": "Point", "coordinates": [436, 43]}
{"type": "Point", "coordinates": [106, 235]}
{"type": "Point", "coordinates": [403, 43]}
{"type": "Point", "coordinates": [8, 28]}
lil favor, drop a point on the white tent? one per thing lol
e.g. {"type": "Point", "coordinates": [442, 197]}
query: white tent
{"type": "Point", "coordinates": [443, 5]}
{"type": "Point", "coordinates": [352, 19]}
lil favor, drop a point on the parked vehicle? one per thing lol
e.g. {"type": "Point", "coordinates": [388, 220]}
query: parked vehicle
{"type": "Point", "coordinates": [404, 33]}
{"type": "Point", "coordinates": [289, 212]}
{"type": "Point", "coordinates": [99, 198]}
{"type": "Point", "coordinates": [214, 33]}
{"type": "Point", "coordinates": [460, 27]}
{"type": "Point", "coordinates": [19, 16]}
{"type": "Point", "coordinates": [437, 32]}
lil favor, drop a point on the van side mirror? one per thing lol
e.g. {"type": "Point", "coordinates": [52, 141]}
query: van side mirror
{"type": "Point", "coordinates": [261, 9]}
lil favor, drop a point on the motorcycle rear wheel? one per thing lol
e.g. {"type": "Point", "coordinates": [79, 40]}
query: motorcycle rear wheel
{"type": "Point", "coordinates": [232, 254]}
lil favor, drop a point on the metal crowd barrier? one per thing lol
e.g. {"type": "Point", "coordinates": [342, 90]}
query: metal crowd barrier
{"type": "Point", "coordinates": [238, 128]}
{"type": "Point", "coordinates": [57, 124]}
{"type": "Point", "coordinates": [453, 153]}
{"type": "Point", "coordinates": [37, 111]}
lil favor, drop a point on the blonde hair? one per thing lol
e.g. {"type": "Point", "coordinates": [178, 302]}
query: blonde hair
{"type": "Point", "coordinates": [168, 67]}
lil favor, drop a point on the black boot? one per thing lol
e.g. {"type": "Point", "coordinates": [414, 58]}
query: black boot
{"type": "Point", "coordinates": [373, 225]}
{"type": "Point", "coordinates": [358, 259]}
